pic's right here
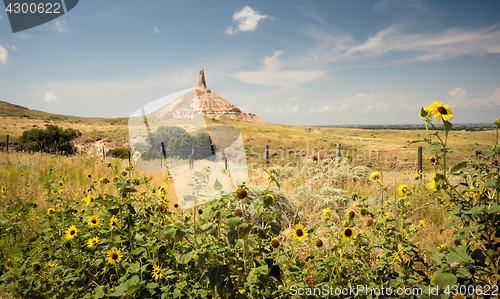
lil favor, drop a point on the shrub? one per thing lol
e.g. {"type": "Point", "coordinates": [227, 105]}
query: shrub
{"type": "Point", "coordinates": [120, 152]}
{"type": "Point", "coordinates": [51, 138]}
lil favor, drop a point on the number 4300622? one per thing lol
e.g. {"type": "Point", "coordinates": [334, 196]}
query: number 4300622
{"type": "Point", "coordinates": [34, 8]}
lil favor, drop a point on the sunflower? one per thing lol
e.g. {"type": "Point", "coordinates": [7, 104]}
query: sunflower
{"type": "Point", "coordinates": [94, 221]}
{"type": "Point", "coordinates": [425, 112]}
{"type": "Point", "coordinates": [114, 256]}
{"type": "Point", "coordinates": [89, 199]}
{"type": "Point", "coordinates": [422, 223]}
{"type": "Point", "coordinates": [403, 190]}
{"type": "Point", "coordinates": [433, 186]}
{"type": "Point", "coordinates": [327, 213]}
{"type": "Point", "coordinates": [299, 232]}
{"type": "Point", "coordinates": [137, 155]}
{"type": "Point", "coordinates": [61, 192]}
{"type": "Point", "coordinates": [349, 233]}
{"type": "Point", "coordinates": [50, 211]}
{"type": "Point", "coordinates": [114, 222]}
{"type": "Point", "coordinates": [71, 232]}
{"type": "Point", "coordinates": [416, 176]}
{"type": "Point", "coordinates": [441, 111]}
{"type": "Point", "coordinates": [53, 192]}
{"type": "Point", "coordinates": [363, 212]}
{"type": "Point", "coordinates": [74, 212]}
{"type": "Point", "coordinates": [91, 242]}
{"type": "Point", "coordinates": [375, 176]}
{"type": "Point", "coordinates": [438, 178]}
{"type": "Point", "coordinates": [115, 179]}
{"type": "Point", "coordinates": [3, 189]}
{"type": "Point", "coordinates": [104, 181]}
{"type": "Point", "coordinates": [61, 182]}
{"type": "Point", "coordinates": [89, 176]}
{"type": "Point", "coordinates": [156, 273]}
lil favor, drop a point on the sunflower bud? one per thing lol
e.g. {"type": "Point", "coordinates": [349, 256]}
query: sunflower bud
{"type": "Point", "coordinates": [497, 122]}
{"type": "Point", "coordinates": [176, 205]}
{"type": "Point", "coordinates": [163, 207]}
{"type": "Point", "coordinates": [238, 212]}
{"type": "Point", "coordinates": [275, 243]}
{"type": "Point", "coordinates": [143, 260]}
{"type": "Point", "coordinates": [36, 267]}
{"type": "Point", "coordinates": [368, 222]}
{"type": "Point", "coordinates": [478, 152]}
{"type": "Point", "coordinates": [216, 221]}
{"type": "Point", "coordinates": [113, 277]}
{"type": "Point", "coordinates": [319, 243]}
{"type": "Point", "coordinates": [200, 211]}
{"type": "Point", "coordinates": [43, 281]}
{"type": "Point", "coordinates": [241, 193]}
{"type": "Point", "coordinates": [351, 214]}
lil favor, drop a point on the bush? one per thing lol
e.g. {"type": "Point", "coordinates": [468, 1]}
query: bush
{"type": "Point", "coordinates": [50, 139]}
{"type": "Point", "coordinates": [120, 152]}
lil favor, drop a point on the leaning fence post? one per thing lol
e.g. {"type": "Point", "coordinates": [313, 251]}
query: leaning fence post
{"type": "Point", "coordinates": [225, 160]}
{"type": "Point", "coordinates": [129, 155]}
{"type": "Point", "coordinates": [267, 156]}
{"type": "Point", "coordinates": [420, 160]}
{"type": "Point", "coordinates": [7, 148]}
{"type": "Point", "coordinates": [338, 153]}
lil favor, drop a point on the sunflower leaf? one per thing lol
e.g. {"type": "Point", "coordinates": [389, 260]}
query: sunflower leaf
{"type": "Point", "coordinates": [447, 126]}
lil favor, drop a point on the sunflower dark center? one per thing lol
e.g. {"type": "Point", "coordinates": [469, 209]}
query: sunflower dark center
{"type": "Point", "coordinates": [114, 256]}
{"type": "Point", "coordinates": [348, 232]}
{"type": "Point", "coordinates": [300, 233]}
{"type": "Point", "coordinates": [442, 110]}
{"type": "Point", "coordinates": [72, 232]}
{"type": "Point", "coordinates": [94, 221]}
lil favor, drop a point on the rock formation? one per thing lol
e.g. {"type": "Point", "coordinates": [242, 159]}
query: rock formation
{"type": "Point", "coordinates": [206, 103]}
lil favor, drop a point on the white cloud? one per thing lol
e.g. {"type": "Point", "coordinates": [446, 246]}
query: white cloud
{"type": "Point", "coordinates": [417, 4]}
{"type": "Point", "coordinates": [312, 14]}
{"type": "Point", "coordinates": [246, 19]}
{"type": "Point", "coordinates": [50, 97]}
{"type": "Point", "coordinates": [271, 74]}
{"type": "Point", "coordinates": [371, 103]}
{"type": "Point", "coordinates": [4, 56]}
{"type": "Point", "coordinates": [268, 110]}
{"type": "Point", "coordinates": [14, 48]}
{"type": "Point", "coordinates": [450, 43]}
{"type": "Point", "coordinates": [156, 30]}
{"type": "Point", "coordinates": [60, 26]}
{"type": "Point", "coordinates": [290, 108]}
{"type": "Point", "coordinates": [459, 100]}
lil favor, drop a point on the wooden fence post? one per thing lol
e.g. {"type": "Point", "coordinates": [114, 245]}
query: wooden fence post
{"type": "Point", "coordinates": [103, 153]}
{"type": "Point", "coordinates": [420, 160]}
{"type": "Point", "coordinates": [57, 148]}
{"type": "Point", "coordinates": [267, 156]}
{"type": "Point", "coordinates": [225, 160]}
{"type": "Point", "coordinates": [129, 155]}
{"type": "Point", "coordinates": [338, 153]}
{"type": "Point", "coordinates": [7, 148]}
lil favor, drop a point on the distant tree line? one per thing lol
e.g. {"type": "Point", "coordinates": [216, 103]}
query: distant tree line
{"type": "Point", "coordinates": [178, 143]}
{"type": "Point", "coordinates": [50, 139]}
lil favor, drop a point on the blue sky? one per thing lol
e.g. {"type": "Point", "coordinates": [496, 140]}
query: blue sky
{"type": "Point", "coordinates": [289, 62]}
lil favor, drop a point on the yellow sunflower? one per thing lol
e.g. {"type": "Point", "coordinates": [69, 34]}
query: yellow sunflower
{"type": "Point", "coordinates": [94, 221]}
{"type": "Point", "coordinates": [433, 186]}
{"type": "Point", "coordinates": [61, 192]}
{"type": "Point", "coordinates": [427, 112]}
{"type": "Point", "coordinates": [89, 176]}
{"type": "Point", "coordinates": [3, 189]}
{"type": "Point", "coordinates": [114, 222]}
{"type": "Point", "coordinates": [403, 190]}
{"type": "Point", "coordinates": [156, 273]}
{"type": "Point", "coordinates": [50, 211]}
{"type": "Point", "coordinates": [299, 232]}
{"type": "Point", "coordinates": [53, 192]}
{"type": "Point", "coordinates": [137, 155]}
{"type": "Point", "coordinates": [422, 223]}
{"type": "Point", "coordinates": [375, 176]}
{"type": "Point", "coordinates": [114, 256]}
{"type": "Point", "coordinates": [327, 213]}
{"type": "Point", "coordinates": [91, 242]}
{"type": "Point", "coordinates": [75, 212]}
{"type": "Point", "coordinates": [349, 233]}
{"type": "Point", "coordinates": [416, 176]}
{"type": "Point", "coordinates": [71, 232]}
{"type": "Point", "coordinates": [89, 199]}
{"type": "Point", "coordinates": [441, 111]}
{"type": "Point", "coordinates": [61, 182]}
{"type": "Point", "coordinates": [104, 181]}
